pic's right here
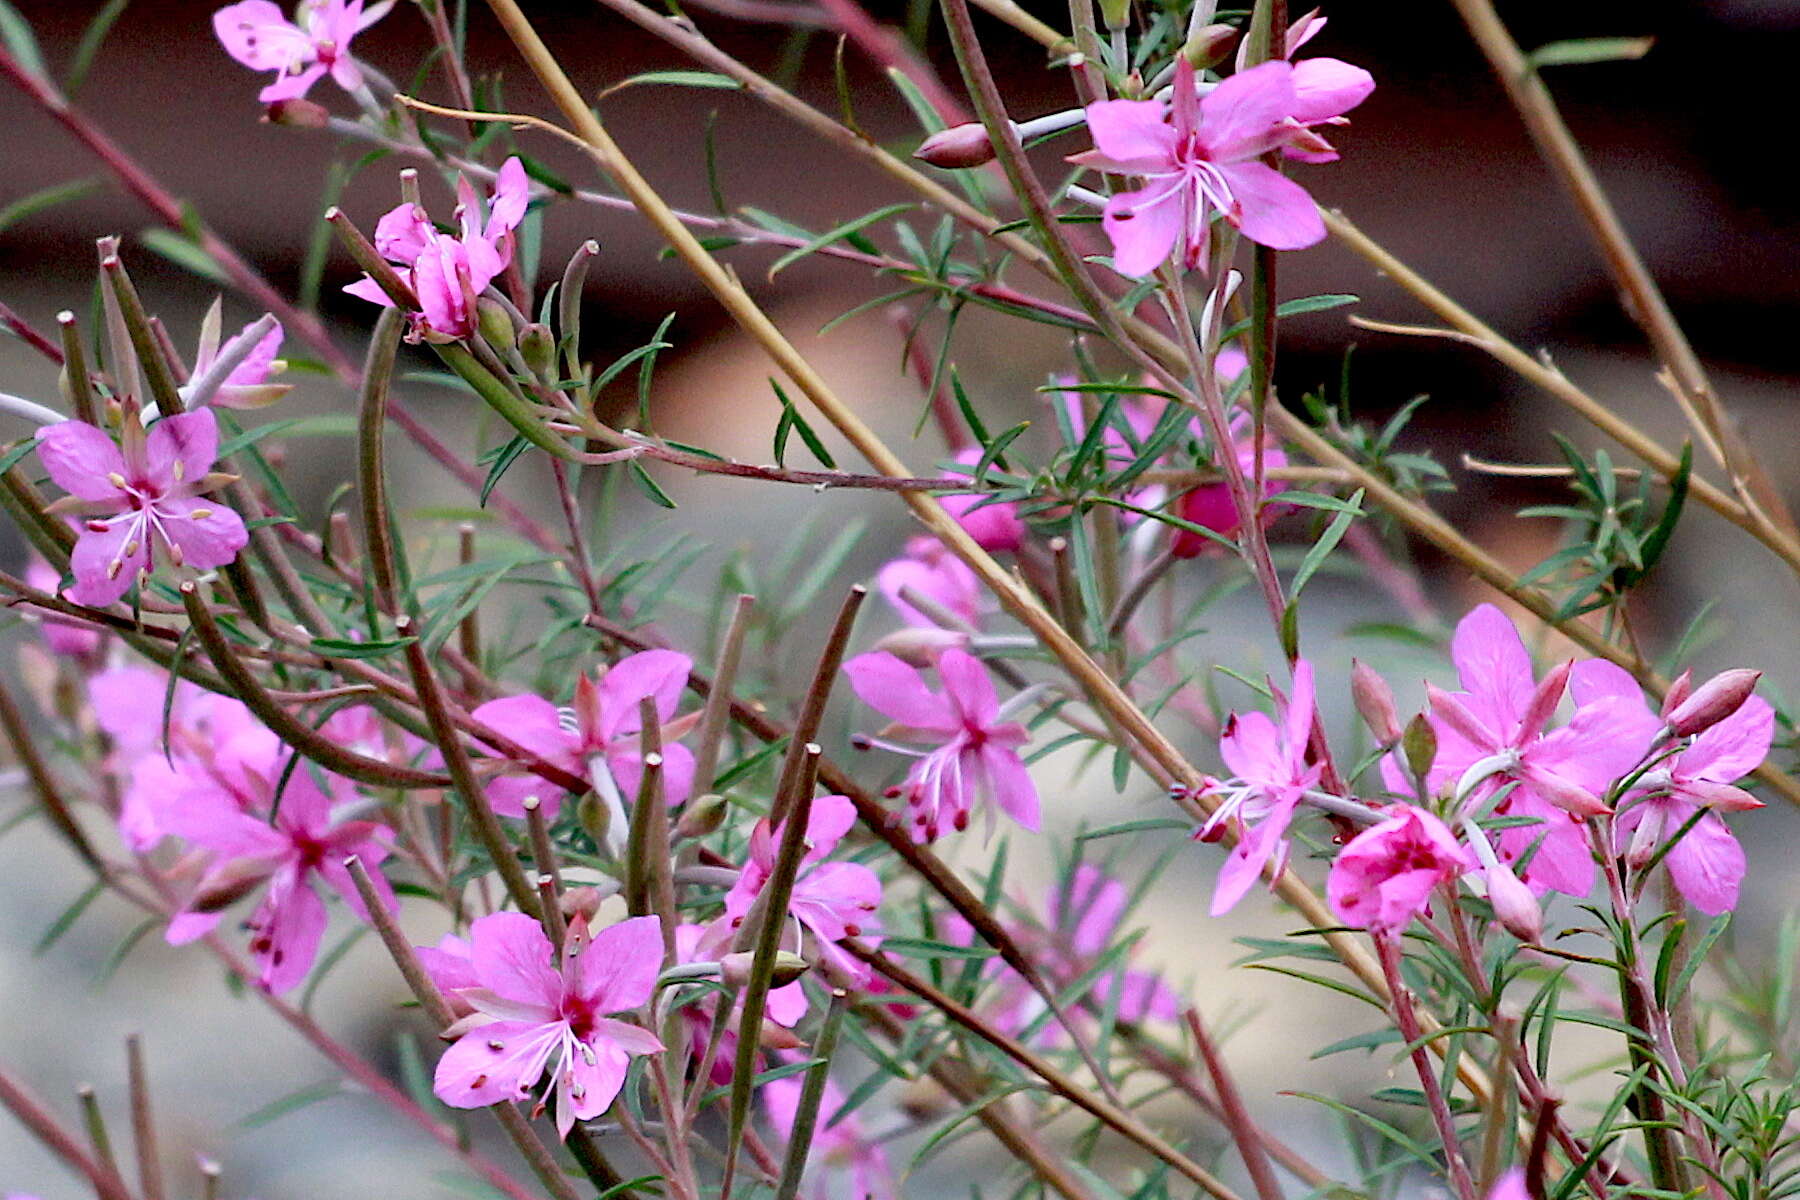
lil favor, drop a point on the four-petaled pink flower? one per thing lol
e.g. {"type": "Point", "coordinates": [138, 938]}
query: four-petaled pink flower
{"type": "Point", "coordinates": [1496, 724]}
{"type": "Point", "coordinates": [1270, 774]}
{"type": "Point", "coordinates": [831, 900]}
{"type": "Point", "coordinates": [1385, 876]}
{"type": "Point", "coordinates": [601, 740]}
{"type": "Point", "coordinates": [304, 846]}
{"type": "Point", "coordinates": [1198, 155]}
{"type": "Point", "coordinates": [976, 756]}
{"type": "Point", "coordinates": [837, 1142]}
{"type": "Point", "coordinates": [1707, 864]}
{"type": "Point", "coordinates": [449, 273]}
{"type": "Point", "coordinates": [140, 499]}
{"type": "Point", "coordinates": [301, 51]}
{"type": "Point", "coordinates": [529, 1015]}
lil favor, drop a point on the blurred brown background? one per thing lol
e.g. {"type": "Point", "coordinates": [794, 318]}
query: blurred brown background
{"type": "Point", "coordinates": [1689, 140]}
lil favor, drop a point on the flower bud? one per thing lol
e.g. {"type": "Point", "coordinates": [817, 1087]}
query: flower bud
{"type": "Point", "coordinates": [581, 902]}
{"type": "Point", "coordinates": [1420, 745]}
{"type": "Point", "coordinates": [495, 323]}
{"type": "Point", "coordinates": [298, 113]}
{"type": "Point", "coordinates": [1713, 701]}
{"type": "Point", "coordinates": [917, 646]}
{"type": "Point", "coordinates": [594, 819]}
{"type": "Point", "coordinates": [1116, 13]}
{"type": "Point", "coordinates": [1209, 46]}
{"type": "Point", "coordinates": [226, 889]}
{"type": "Point", "coordinates": [1514, 906]}
{"type": "Point", "coordinates": [1374, 701]}
{"type": "Point", "coordinates": [538, 346]}
{"type": "Point", "coordinates": [734, 969]}
{"type": "Point", "coordinates": [1680, 690]}
{"type": "Point", "coordinates": [703, 815]}
{"type": "Point", "coordinates": [959, 146]}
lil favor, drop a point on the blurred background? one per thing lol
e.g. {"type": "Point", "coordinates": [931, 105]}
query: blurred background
{"type": "Point", "coordinates": [1688, 141]}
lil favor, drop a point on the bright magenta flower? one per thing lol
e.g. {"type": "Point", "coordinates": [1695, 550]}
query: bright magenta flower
{"type": "Point", "coordinates": [303, 847]}
{"type": "Point", "coordinates": [1496, 725]}
{"type": "Point", "coordinates": [931, 571]}
{"type": "Point", "coordinates": [139, 501]}
{"type": "Point", "coordinates": [1210, 505]}
{"type": "Point", "coordinates": [975, 755]}
{"type": "Point", "coordinates": [447, 273]}
{"type": "Point", "coordinates": [601, 740]}
{"type": "Point", "coordinates": [529, 1015]}
{"type": "Point", "coordinates": [831, 900]}
{"type": "Point", "coordinates": [1270, 775]}
{"type": "Point", "coordinates": [1324, 90]}
{"type": "Point", "coordinates": [1707, 864]}
{"type": "Point", "coordinates": [301, 51]}
{"type": "Point", "coordinates": [993, 524]}
{"type": "Point", "coordinates": [1199, 155]}
{"type": "Point", "coordinates": [1385, 876]}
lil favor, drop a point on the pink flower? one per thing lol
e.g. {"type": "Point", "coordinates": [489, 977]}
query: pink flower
{"type": "Point", "coordinates": [975, 759]}
{"type": "Point", "coordinates": [301, 51]}
{"type": "Point", "coordinates": [65, 636]}
{"type": "Point", "coordinates": [832, 901]}
{"type": "Point", "coordinates": [529, 1015]}
{"type": "Point", "coordinates": [1324, 89]}
{"type": "Point", "coordinates": [996, 524]}
{"type": "Point", "coordinates": [604, 732]}
{"type": "Point", "coordinates": [1270, 775]}
{"type": "Point", "coordinates": [1510, 1186]}
{"type": "Point", "coordinates": [1210, 505]}
{"type": "Point", "coordinates": [934, 573]}
{"type": "Point", "coordinates": [1202, 154]}
{"type": "Point", "coordinates": [139, 498]}
{"type": "Point", "coordinates": [449, 273]}
{"type": "Point", "coordinates": [1707, 864]}
{"type": "Point", "coordinates": [246, 386]}
{"type": "Point", "coordinates": [1385, 876]}
{"type": "Point", "coordinates": [837, 1142]}
{"type": "Point", "coordinates": [1497, 724]}
{"type": "Point", "coordinates": [303, 847]}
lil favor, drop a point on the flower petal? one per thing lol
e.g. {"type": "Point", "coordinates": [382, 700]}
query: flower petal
{"type": "Point", "coordinates": [511, 956]}
{"type": "Point", "coordinates": [618, 968]}
{"type": "Point", "coordinates": [81, 459]}
{"type": "Point", "coordinates": [898, 692]}
{"type": "Point", "coordinates": [1273, 210]}
{"type": "Point", "coordinates": [498, 1061]}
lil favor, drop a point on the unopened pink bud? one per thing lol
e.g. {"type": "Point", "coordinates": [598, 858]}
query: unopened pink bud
{"type": "Point", "coordinates": [1680, 690]}
{"type": "Point", "coordinates": [917, 646]}
{"type": "Point", "coordinates": [1209, 46]}
{"type": "Point", "coordinates": [1514, 906]}
{"type": "Point", "coordinates": [958, 146]}
{"type": "Point", "coordinates": [1374, 700]}
{"type": "Point", "coordinates": [300, 114]}
{"type": "Point", "coordinates": [581, 902]}
{"type": "Point", "coordinates": [1713, 701]}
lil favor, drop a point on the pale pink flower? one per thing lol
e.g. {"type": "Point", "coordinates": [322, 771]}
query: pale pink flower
{"type": "Point", "coordinates": [1199, 155]}
{"type": "Point", "coordinates": [139, 501]}
{"type": "Point", "coordinates": [1510, 1186]}
{"type": "Point", "coordinates": [1497, 723]}
{"type": "Point", "coordinates": [830, 900]}
{"type": "Point", "coordinates": [839, 1143]}
{"type": "Point", "coordinates": [530, 1016]}
{"type": "Point", "coordinates": [1707, 864]}
{"type": "Point", "coordinates": [246, 386]}
{"type": "Point", "coordinates": [931, 571]}
{"type": "Point", "coordinates": [302, 51]}
{"type": "Point", "coordinates": [975, 750]}
{"type": "Point", "coordinates": [1385, 876]}
{"type": "Point", "coordinates": [601, 737]}
{"type": "Point", "coordinates": [448, 273]}
{"type": "Point", "coordinates": [995, 525]}
{"type": "Point", "coordinates": [302, 848]}
{"type": "Point", "coordinates": [1270, 775]}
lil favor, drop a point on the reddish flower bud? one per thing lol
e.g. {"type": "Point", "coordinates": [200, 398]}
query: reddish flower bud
{"type": "Point", "coordinates": [1713, 701]}
{"type": "Point", "coordinates": [703, 815]}
{"type": "Point", "coordinates": [301, 114]}
{"type": "Point", "coordinates": [1209, 46]}
{"type": "Point", "coordinates": [1680, 690]}
{"type": "Point", "coordinates": [919, 647]}
{"type": "Point", "coordinates": [959, 146]}
{"type": "Point", "coordinates": [1374, 701]}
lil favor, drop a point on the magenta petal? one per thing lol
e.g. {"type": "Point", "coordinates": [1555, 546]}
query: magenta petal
{"type": "Point", "coordinates": [1325, 88]}
{"type": "Point", "coordinates": [448, 963]}
{"type": "Point", "coordinates": [257, 34]}
{"type": "Point", "coordinates": [967, 685]}
{"type": "Point", "coordinates": [367, 289]}
{"type": "Point", "coordinates": [533, 722]}
{"type": "Point", "coordinates": [1014, 791]}
{"type": "Point", "coordinates": [106, 562]}
{"type": "Point", "coordinates": [1244, 865]}
{"type": "Point", "coordinates": [619, 967]}
{"type": "Point", "coordinates": [1707, 865]}
{"type": "Point", "coordinates": [1734, 747]}
{"type": "Point", "coordinates": [1274, 210]}
{"type": "Point", "coordinates": [599, 1083]}
{"type": "Point", "coordinates": [208, 534]}
{"type": "Point", "coordinates": [511, 196]}
{"type": "Point", "coordinates": [288, 929]}
{"type": "Point", "coordinates": [1143, 227]}
{"type": "Point", "coordinates": [495, 1062]}
{"type": "Point", "coordinates": [1243, 117]}
{"type": "Point", "coordinates": [657, 675]}
{"type": "Point", "coordinates": [403, 233]}
{"type": "Point", "coordinates": [1251, 747]}
{"type": "Point", "coordinates": [898, 692]}
{"type": "Point", "coordinates": [292, 87]}
{"type": "Point", "coordinates": [1494, 668]}
{"type": "Point", "coordinates": [81, 459]}
{"type": "Point", "coordinates": [1132, 134]}
{"type": "Point", "coordinates": [182, 448]}
{"type": "Point", "coordinates": [512, 958]}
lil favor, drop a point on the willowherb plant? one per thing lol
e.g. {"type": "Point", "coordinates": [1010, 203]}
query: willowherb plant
{"type": "Point", "coordinates": [703, 933]}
